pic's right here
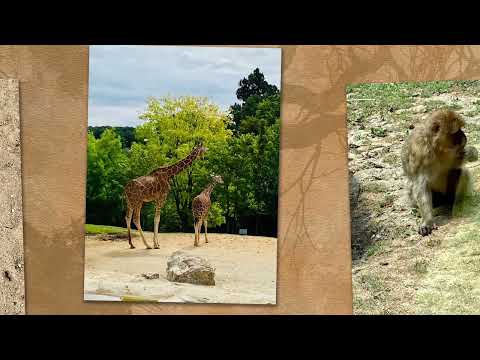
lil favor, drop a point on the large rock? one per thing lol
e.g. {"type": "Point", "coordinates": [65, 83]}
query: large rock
{"type": "Point", "coordinates": [185, 268]}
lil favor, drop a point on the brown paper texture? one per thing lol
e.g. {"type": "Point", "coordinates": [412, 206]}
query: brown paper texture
{"type": "Point", "coordinates": [314, 263]}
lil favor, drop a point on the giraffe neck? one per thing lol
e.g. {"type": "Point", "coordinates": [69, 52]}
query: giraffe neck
{"type": "Point", "coordinates": [179, 166]}
{"type": "Point", "coordinates": [208, 190]}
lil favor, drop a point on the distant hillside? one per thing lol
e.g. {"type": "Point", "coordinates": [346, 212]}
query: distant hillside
{"type": "Point", "coordinates": [127, 133]}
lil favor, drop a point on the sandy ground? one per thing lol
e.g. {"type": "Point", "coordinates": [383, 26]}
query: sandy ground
{"type": "Point", "coordinates": [246, 269]}
{"type": "Point", "coordinates": [12, 284]}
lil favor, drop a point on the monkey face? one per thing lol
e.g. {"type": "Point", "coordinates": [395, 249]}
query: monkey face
{"type": "Point", "coordinates": [448, 138]}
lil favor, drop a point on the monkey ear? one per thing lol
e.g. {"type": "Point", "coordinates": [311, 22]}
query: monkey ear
{"type": "Point", "coordinates": [435, 127]}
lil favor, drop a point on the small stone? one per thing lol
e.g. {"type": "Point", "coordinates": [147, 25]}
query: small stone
{"type": "Point", "coordinates": [471, 154]}
{"type": "Point", "coordinates": [151, 276]}
{"type": "Point", "coordinates": [419, 109]}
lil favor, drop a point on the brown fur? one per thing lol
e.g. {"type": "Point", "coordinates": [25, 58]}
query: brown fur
{"type": "Point", "coordinates": [432, 159]}
{"type": "Point", "coordinates": [153, 187]}
{"type": "Point", "coordinates": [200, 207]}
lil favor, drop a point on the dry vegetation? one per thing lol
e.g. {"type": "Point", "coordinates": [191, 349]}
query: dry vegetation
{"type": "Point", "coordinates": [395, 270]}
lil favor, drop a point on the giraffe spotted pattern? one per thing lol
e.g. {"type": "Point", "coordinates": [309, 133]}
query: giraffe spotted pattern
{"type": "Point", "coordinates": [153, 187]}
{"type": "Point", "coordinates": [200, 207]}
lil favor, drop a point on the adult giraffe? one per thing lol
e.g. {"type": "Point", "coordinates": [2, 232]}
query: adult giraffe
{"type": "Point", "coordinates": [154, 186]}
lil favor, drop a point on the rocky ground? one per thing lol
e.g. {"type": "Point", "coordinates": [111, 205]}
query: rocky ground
{"type": "Point", "coordinates": [395, 270]}
{"type": "Point", "coordinates": [12, 283]}
{"type": "Point", "coordinates": [245, 269]}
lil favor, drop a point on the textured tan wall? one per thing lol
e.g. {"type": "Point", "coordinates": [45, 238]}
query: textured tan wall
{"type": "Point", "coordinates": [12, 280]}
{"type": "Point", "coordinates": [314, 265]}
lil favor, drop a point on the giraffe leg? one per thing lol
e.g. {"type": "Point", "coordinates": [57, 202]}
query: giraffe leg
{"type": "Point", "coordinates": [155, 226]}
{"type": "Point", "coordinates": [198, 225]}
{"type": "Point", "coordinates": [195, 230]}
{"type": "Point", "coordinates": [136, 221]}
{"type": "Point", "coordinates": [205, 226]}
{"type": "Point", "coordinates": [128, 219]}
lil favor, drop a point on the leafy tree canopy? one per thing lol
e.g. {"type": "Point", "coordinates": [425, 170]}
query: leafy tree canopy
{"type": "Point", "coordinates": [243, 147]}
{"type": "Point", "coordinates": [255, 85]}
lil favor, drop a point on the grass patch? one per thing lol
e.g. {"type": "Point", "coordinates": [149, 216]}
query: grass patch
{"type": "Point", "coordinates": [378, 132]}
{"type": "Point", "coordinates": [468, 208]}
{"type": "Point", "coordinates": [454, 106]}
{"type": "Point", "coordinates": [453, 284]}
{"type": "Point", "coordinates": [420, 267]}
{"type": "Point", "coordinates": [434, 105]}
{"type": "Point", "coordinates": [377, 247]}
{"type": "Point", "coordinates": [431, 88]}
{"type": "Point", "coordinates": [383, 98]}
{"type": "Point", "coordinates": [374, 187]}
{"type": "Point", "coordinates": [372, 283]}
{"type": "Point", "coordinates": [467, 86]}
{"type": "Point", "coordinates": [402, 118]}
{"type": "Point", "coordinates": [104, 229]}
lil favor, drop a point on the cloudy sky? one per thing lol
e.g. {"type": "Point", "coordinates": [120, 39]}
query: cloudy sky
{"type": "Point", "coordinates": [122, 78]}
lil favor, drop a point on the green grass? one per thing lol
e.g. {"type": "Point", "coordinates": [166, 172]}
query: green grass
{"type": "Point", "coordinates": [382, 98]}
{"type": "Point", "coordinates": [104, 229]}
{"type": "Point", "coordinates": [420, 267]}
{"type": "Point", "coordinates": [375, 187]}
{"type": "Point", "coordinates": [434, 104]}
{"type": "Point", "coordinates": [435, 87]}
{"type": "Point", "coordinates": [375, 249]}
{"type": "Point", "coordinates": [378, 131]}
{"type": "Point", "coordinates": [372, 282]}
{"type": "Point", "coordinates": [453, 283]}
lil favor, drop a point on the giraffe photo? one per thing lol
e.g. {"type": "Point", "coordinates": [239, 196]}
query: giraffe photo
{"type": "Point", "coordinates": [183, 153]}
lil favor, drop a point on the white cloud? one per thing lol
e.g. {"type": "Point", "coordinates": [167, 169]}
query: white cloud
{"type": "Point", "coordinates": [120, 115]}
{"type": "Point", "coordinates": [123, 77]}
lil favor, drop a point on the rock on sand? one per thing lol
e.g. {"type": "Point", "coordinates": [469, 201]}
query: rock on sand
{"type": "Point", "coordinates": [185, 268]}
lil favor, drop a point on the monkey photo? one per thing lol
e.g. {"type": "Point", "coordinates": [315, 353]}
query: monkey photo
{"type": "Point", "coordinates": [433, 159]}
{"type": "Point", "coordinates": [414, 186]}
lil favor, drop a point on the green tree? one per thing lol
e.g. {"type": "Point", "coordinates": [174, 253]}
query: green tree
{"type": "Point", "coordinates": [255, 84]}
{"type": "Point", "coordinates": [243, 147]}
{"type": "Point", "coordinates": [173, 126]}
{"type": "Point", "coordinates": [127, 133]}
{"type": "Point", "coordinates": [260, 104]}
{"type": "Point", "coordinates": [107, 173]}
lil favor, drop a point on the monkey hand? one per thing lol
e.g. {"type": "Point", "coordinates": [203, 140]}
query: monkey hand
{"type": "Point", "coordinates": [426, 229]}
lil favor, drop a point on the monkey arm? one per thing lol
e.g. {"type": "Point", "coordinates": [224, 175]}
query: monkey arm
{"type": "Point", "coordinates": [422, 195]}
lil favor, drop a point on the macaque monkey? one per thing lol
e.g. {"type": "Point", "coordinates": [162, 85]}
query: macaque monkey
{"type": "Point", "coordinates": [432, 158]}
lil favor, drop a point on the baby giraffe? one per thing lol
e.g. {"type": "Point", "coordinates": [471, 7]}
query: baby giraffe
{"type": "Point", "coordinates": [200, 207]}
